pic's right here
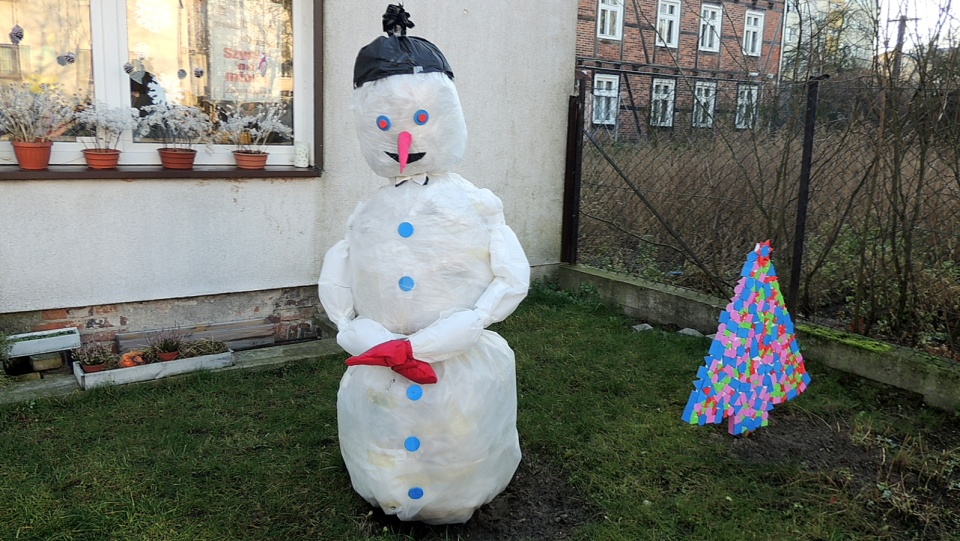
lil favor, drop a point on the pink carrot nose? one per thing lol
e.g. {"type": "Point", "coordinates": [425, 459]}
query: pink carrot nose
{"type": "Point", "coordinates": [404, 140]}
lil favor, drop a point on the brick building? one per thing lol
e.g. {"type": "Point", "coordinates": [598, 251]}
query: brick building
{"type": "Point", "coordinates": [657, 65]}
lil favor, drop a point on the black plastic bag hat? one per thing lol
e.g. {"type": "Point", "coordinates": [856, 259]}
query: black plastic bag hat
{"type": "Point", "coordinates": [396, 55]}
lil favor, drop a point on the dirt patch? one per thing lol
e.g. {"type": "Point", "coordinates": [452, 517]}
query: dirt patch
{"type": "Point", "coordinates": [537, 504]}
{"type": "Point", "coordinates": [909, 486]}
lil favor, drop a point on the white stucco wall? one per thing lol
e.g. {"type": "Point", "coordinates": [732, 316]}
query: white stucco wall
{"type": "Point", "coordinates": [87, 242]}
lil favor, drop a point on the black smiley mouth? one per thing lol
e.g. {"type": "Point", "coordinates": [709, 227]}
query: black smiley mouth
{"type": "Point", "coordinates": [410, 157]}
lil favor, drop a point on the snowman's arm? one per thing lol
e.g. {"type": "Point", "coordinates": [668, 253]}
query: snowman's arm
{"type": "Point", "coordinates": [355, 334]}
{"type": "Point", "coordinates": [453, 335]}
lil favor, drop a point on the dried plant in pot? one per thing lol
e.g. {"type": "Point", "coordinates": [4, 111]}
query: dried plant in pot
{"type": "Point", "coordinates": [94, 357]}
{"type": "Point", "coordinates": [179, 127]}
{"type": "Point", "coordinates": [250, 131]}
{"type": "Point", "coordinates": [107, 125]}
{"type": "Point", "coordinates": [31, 116]}
{"type": "Point", "coordinates": [199, 348]}
{"type": "Point", "coordinates": [164, 345]}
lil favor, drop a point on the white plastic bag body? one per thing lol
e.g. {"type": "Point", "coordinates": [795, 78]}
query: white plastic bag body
{"type": "Point", "coordinates": [433, 453]}
{"type": "Point", "coordinates": [433, 263]}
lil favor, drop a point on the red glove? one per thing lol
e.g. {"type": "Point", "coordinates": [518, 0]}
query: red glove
{"type": "Point", "coordinates": [398, 355]}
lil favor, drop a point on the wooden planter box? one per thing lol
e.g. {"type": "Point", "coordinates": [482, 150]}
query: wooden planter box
{"type": "Point", "coordinates": [152, 371]}
{"type": "Point", "coordinates": [44, 342]}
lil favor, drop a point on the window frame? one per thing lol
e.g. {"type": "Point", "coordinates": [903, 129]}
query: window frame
{"type": "Point", "coordinates": [710, 25]}
{"type": "Point", "coordinates": [674, 41]}
{"type": "Point", "coordinates": [613, 113]}
{"type": "Point", "coordinates": [751, 31]}
{"type": "Point", "coordinates": [744, 90]}
{"type": "Point", "coordinates": [140, 160]}
{"type": "Point", "coordinates": [709, 105]}
{"type": "Point", "coordinates": [604, 9]}
{"type": "Point", "coordinates": [671, 102]}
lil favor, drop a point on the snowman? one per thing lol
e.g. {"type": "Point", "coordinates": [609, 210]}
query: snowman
{"type": "Point", "coordinates": [427, 407]}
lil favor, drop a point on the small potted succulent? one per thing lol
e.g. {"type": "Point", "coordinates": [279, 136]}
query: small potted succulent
{"type": "Point", "coordinates": [251, 130]}
{"type": "Point", "coordinates": [93, 357]}
{"type": "Point", "coordinates": [32, 117]}
{"type": "Point", "coordinates": [179, 127]}
{"type": "Point", "coordinates": [107, 125]}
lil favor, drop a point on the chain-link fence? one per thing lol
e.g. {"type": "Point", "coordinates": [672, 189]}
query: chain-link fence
{"type": "Point", "coordinates": [680, 178]}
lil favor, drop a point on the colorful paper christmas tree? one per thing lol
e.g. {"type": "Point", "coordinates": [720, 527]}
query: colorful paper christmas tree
{"type": "Point", "coordinates": [754, 361]}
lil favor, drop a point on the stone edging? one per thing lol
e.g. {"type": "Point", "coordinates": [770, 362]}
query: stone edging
{"type": "Point", "coordinates": [938, 380]}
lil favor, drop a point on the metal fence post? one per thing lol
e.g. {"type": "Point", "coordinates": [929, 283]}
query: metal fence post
{"type": "Point", "coordinates": [809, 128]}
{"type": "Point", "coordinates": [570, 227]}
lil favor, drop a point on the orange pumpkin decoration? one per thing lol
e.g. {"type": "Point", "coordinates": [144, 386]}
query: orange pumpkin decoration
{"type": "Point", "coordinates": [131, 358]}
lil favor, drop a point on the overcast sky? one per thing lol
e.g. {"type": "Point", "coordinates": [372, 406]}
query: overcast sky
{"type": "Point", "coordinates": [926, 16]}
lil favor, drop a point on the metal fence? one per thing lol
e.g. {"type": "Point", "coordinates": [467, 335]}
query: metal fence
{"type": "Point", "coordinates": [680, 177]}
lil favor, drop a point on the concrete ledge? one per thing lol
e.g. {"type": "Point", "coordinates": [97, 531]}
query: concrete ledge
{"type": "Point", "coordinates": [654, 303]}
{"type": "Point", "coordinates": [938, 380]}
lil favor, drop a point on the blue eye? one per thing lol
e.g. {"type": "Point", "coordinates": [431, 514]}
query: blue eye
{"type": "Point", "coordinates": [383, 123]}
{"type": "Point", "coordinates": [421, 117]}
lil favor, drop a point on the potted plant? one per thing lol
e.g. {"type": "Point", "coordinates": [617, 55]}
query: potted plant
{"type": "Point", "coordinates": [179, 127]}
{"type": "Point", "coordinates": [250, 131]}
{"type": "Point", "coordinates": [107, 125]}
{"type": "Point", "coordinates": [164, 345]}
{"type": "Point", "coordinates": [93, 357]}
{"type": "Point", "coordinates": [31, 119]}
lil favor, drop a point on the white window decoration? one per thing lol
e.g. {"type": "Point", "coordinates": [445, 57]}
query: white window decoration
{"type": "Point", "coordinates": [661, 103]}
{"type": "Point", "coordinates": [753, 33]}
{"type": "Point", "coordinates": [704, 103]}
{"type": "Point", "coordinates": [606, 99]}
{"type": "Point", "coordinates": [747, 102]}
{"type": "Point", "coordinates": [710, 17]}
{"type": "Point", "coordinates": [610, 19]}
{"type": "Point", "coordinates": [204, 53]}
{"type": "Point", "coordinates": [668, 23]}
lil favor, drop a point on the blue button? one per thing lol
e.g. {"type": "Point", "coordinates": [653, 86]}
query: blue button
{"type": "Point", "coordinates": [405, 229]}
{"type": "Point", "coordinates": [415, 493]}
{"type": "Point", "coordinates": [406, 283]}
{"type": "Point", "coordinates": [414, 392]}
{"type": "Point", "coordinates": [412, 444]}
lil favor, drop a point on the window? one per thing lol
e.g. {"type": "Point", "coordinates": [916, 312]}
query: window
{"type": "Point", "coordinates": [205, 53]}
{"type": "Point", "coordinates": [704, 102]}
{"type": "Point", "coordinates": [753, 33]}
{"type": "Point", "coordinates": [661, 103]}
{"type": "Point", "coordinates": [710, 17]}
{"type": "Point", "coordinates": [668, 23]}
{"type": "Point", "coordinates": [610, 19]}
{"type": "Point", "coordinates": [606, 99]}
{"type": "Point", "coordinates": [746, 106]}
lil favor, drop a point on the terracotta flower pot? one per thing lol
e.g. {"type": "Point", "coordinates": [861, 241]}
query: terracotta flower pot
{"type": "Point", "coordinates": [177, 158]}
{"type": "Point", "coordinates": [87, 368]}
{"type": "Point", "coordinates": [250, 160]}
{"type": "Point", "coordinates": [32, 156]}
{"type": "Point", "coordinates": [168, 355]}
{"type": "Point", "coordinates": [101, 158]}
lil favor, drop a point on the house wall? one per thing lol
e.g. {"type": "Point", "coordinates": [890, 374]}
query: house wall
{"type": "Point", "coordinates": [96, 246]}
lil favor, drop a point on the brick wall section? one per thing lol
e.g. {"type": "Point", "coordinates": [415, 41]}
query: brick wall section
{"type": "Point", "coordinates": [294, 312]}
{"type": "Point", "coordinates": [637, 58]}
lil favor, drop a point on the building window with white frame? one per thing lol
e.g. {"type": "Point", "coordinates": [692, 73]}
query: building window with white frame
{"type": "Point", "coordinates": [710, 17]}
{"type": "Point", "coordinates": [606, 99]}
{"type": "Point", "coordinates": [661, 103]}
{"type": "Point", "coordinates": [668, 23]}
{"type": "Point", "coordinates": [210, 54]}
{"type": "Point", "coordinates": [704, 103]}
{"type": "Point", "coordinates": [753, 33]}
{"type": "Point", "coordinates": [747, 104]}
{"type": "Point", "coordinates": [610, 19]}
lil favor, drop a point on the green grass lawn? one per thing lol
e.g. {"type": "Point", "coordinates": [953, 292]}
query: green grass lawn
{"type": "Point", "coordinates": [254, 454]}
